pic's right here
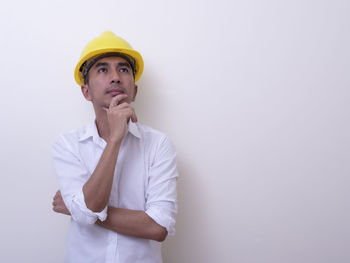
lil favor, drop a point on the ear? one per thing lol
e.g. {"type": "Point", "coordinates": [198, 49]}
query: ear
{"type": "Point", "coordinates": [135, 92]}
{"type": "Point", "coordinates": [85, 91]}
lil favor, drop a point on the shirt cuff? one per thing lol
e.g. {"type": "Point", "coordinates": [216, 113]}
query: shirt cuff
{"type": "Point", "coordinates": [162, 218]}
{"type": "Point", "coordinates": [81, 214]}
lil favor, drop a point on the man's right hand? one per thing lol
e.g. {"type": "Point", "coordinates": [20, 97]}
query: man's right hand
{"type": "Point", "coordinates": [58, 205]}
{"type": "Point", "coordinates": [119, 113]}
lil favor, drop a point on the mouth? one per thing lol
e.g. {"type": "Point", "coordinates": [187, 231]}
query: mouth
{"type": "Point", "coordinates": [115, 91]}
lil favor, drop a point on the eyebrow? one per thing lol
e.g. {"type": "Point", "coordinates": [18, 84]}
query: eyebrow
{"type": "Point", "coordinates": [124, 64]}
{"type": "Point", "coordinates": [101, 64]}
{"type": "Point", "coordinates": [105, 64]}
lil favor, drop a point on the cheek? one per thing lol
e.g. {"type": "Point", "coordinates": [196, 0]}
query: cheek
{"type": "Point", "coordinates": [131, 93]}
{"type": "Point", "coordinates": [96, 87]}
{"type": "Point", "coordinates": [98, 79]}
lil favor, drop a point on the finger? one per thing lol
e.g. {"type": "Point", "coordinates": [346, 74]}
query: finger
{"type": "Point", "coordinates": [123, 105]}
{"type": "Point", "coordinates": [58, 193]}
{"type": "Point", "coordinates": [130, 114]}
{"type": "Point", "coordinates": [133, 116]}
{"type": "Point", "coordinates": [120, 106]}
{"type": "Point", "coordinates": [117, 99]}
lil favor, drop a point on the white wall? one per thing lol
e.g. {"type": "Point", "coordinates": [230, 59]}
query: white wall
{"type": "Point", "coordinates": [254, 95]}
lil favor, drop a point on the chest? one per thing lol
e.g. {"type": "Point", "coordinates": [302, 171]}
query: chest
{"type": "Point", "coordinates": [131, 173]}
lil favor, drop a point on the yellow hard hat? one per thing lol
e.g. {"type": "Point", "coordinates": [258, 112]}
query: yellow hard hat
{"type": "Point", "coordinates": [107, 42]}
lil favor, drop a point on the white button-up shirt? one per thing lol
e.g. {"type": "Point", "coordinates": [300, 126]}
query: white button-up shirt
{"type": "Point", "coordinates": [145, 179]}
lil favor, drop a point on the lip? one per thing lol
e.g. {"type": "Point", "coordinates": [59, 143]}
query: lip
{"type": "Point", "coordinates": [115, 92]}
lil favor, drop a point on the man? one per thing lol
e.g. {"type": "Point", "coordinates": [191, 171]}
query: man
{"type": "Point", "coordinates": [117, 178]}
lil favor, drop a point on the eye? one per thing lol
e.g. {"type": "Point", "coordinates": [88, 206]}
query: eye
{"type": "Point", "coordinates": [124, 69]}
{"type": "Point", "coordinates": [102, 70]}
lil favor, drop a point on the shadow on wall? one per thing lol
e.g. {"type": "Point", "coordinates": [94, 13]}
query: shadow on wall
{"type": "Point", "coordinates": [150, 104]}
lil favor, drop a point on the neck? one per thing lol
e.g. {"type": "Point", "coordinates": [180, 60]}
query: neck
{"type": "Point", "coordinates": [102, 124]}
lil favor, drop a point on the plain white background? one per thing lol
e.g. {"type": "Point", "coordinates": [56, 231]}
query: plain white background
{"type": "Point", "coordinates": [254, 95]}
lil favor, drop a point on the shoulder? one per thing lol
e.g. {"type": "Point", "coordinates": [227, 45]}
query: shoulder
{"type": "Point", "coordinates": [150, 135]}
{"type": "Point", "coordinates": [71, 138]}
{"type": "Point", "coordinates": [155, 140]}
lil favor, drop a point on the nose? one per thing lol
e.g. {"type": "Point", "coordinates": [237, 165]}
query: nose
{"type": "Point", "coordinates": [115, 76]}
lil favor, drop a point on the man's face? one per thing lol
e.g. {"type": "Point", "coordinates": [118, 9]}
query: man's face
{"type": "Point", "coordinates": [109, 77]}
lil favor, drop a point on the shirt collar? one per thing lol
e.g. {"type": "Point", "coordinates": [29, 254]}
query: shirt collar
{"type": "Point", "coordinates": [91, 131]}
{"type": "Point", "coordinates": [134, 129]}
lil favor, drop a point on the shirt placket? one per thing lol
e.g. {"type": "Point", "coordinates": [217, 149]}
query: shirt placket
{"type": "Point", "coordinates": [112, 238]}
{"type": "Point", "coordinates": [112, 250]}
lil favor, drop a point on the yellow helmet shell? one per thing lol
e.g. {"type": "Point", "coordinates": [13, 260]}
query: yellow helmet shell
{"type": "Point", "coordinates": [105, 43]}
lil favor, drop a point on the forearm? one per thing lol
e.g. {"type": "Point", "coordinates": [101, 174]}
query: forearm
{"type": "Point", "coordinates": [133, 223]}
{"type": "Point", "coordinates": [124, 221]}
{"type": "Point", "coordinates": [97, 189]}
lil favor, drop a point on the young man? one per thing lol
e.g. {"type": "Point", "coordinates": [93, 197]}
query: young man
{"type": "Point", "coordinates": [117, 178]}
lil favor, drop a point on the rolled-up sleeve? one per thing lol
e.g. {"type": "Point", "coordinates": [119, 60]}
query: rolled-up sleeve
{"type": "Point", "coordinates": [161, 194]}
{"type": "Point", "coordinates": [72, 175]}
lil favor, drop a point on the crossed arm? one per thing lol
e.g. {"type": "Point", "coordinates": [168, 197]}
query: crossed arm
{"type": "Point", "coordinates": [123, 221]}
